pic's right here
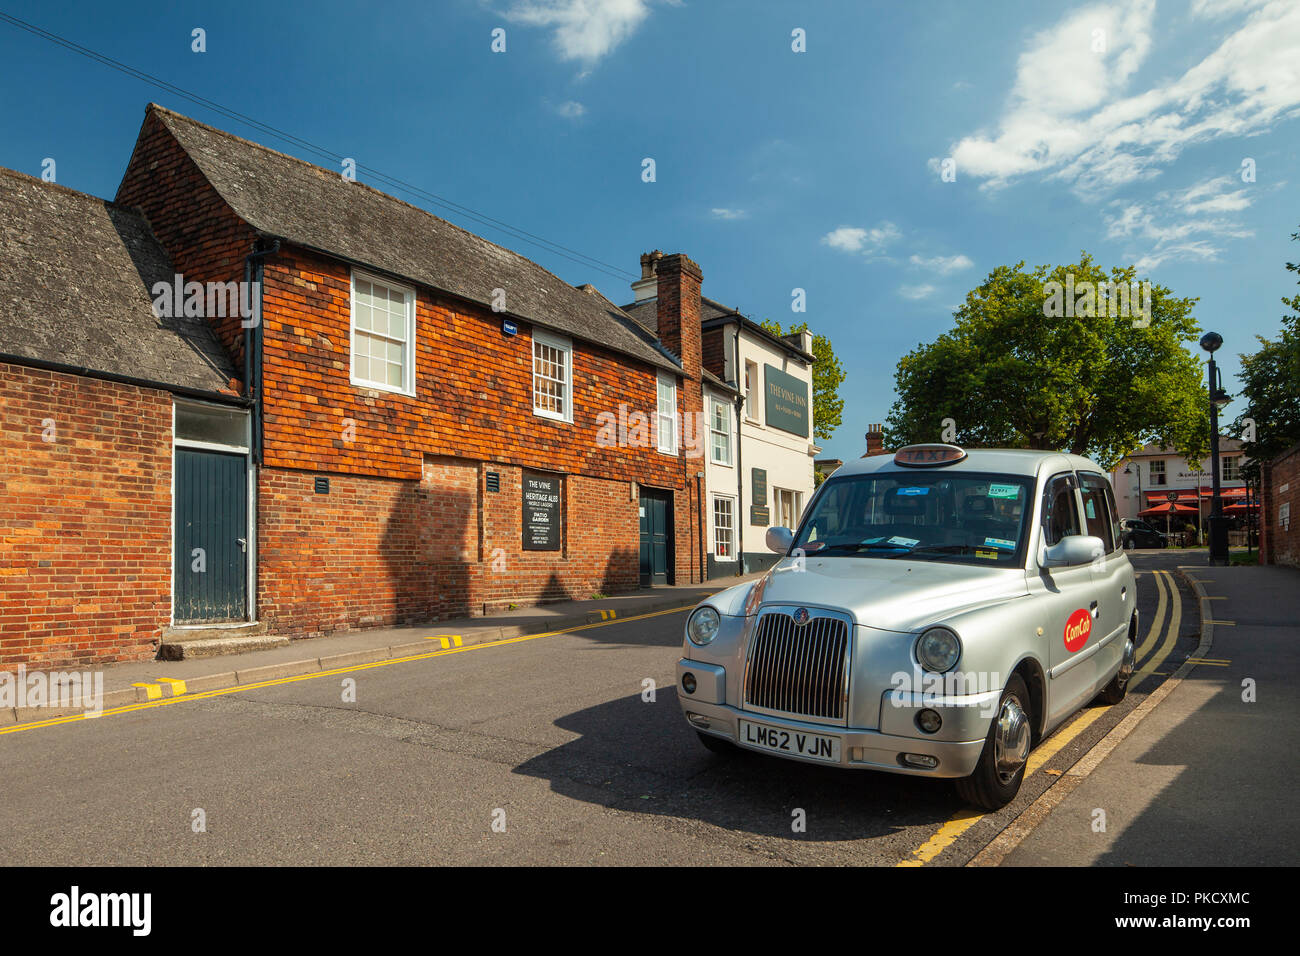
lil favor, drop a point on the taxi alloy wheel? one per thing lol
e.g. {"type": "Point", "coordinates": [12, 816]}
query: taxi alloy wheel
{"type": "Point", "coordinates": [1001, 767]}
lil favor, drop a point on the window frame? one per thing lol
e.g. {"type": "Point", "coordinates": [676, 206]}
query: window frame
{"type": "Point", "coordinates": [1154, 477]}
{"type": "Point", "coordinates": [715, 404]}
{"type": "Point", "coordinates": [751, 410]}
{"type": "Point", "coordinates": [1091, 481]}
{"type": "Point", "coordinates": [408, 350]}
{"type": "Point", "coordinates": [1049, 499]}
{"type": "Point", "coordinates": [565, 346]}
{"type": "Point", "coordinates": [663, 380]}
{"type": "Point", "coordinates": [730, 501]}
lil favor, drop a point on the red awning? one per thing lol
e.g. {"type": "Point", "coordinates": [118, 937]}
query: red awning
{"type": "Point", "coordinates": [1167, 508]}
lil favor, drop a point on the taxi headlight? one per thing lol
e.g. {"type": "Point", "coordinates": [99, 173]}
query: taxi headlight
{"type": "Point", "coordinates": [938, 649]}
{"type": "Point", "coordinates": [703, 625]}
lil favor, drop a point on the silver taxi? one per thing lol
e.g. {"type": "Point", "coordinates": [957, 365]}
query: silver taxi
{"type": "Point", "coordinates": [936, 613]}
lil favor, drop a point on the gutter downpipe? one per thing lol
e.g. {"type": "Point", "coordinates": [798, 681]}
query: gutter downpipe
{"type": "Point", "coordinates": [253, 370]}
{"type": "Point", "coordinates": [741, 518]}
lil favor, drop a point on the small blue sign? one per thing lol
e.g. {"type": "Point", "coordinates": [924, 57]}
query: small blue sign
{"type": "Point", "coordinates": [509, 328]}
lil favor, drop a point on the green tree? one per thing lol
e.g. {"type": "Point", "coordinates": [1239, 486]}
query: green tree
{"type": "Point", "coordinates": [1270, 377]}
{"type": "Point", "coordinates": [1016, 372]}
{"type": "Point", "coordinates": [828, 373]}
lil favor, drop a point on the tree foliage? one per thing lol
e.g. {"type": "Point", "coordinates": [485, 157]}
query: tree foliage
{"type": "Point", "coordinates": [1271, 386]}
{"type": "Point", "coordinates": [1008, 375]}
{"type": "Point", "coordinates": [827, 375]}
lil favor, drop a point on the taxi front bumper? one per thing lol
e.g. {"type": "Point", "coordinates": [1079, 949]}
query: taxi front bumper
{"type": "Point", "coordinates": [706, 710]}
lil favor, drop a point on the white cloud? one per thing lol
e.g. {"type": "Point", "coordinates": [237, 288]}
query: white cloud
{"type": "Point", "coordinates": [584, 30]}
{"type": "Point", "coordinates": [865, 241]}
{"type": "Point", "coordinates": [916, 292]}
{"type": "Point", "coordinates": [1071, 117]}
{"type": "Point", "coordinates": [571, 109]}
{"type": "Point", "coordinates": [1168, 222]}
{"type": "Point", "coordinates": [719, 213]}
{"type": "Point", "coordinates": [943, 264]}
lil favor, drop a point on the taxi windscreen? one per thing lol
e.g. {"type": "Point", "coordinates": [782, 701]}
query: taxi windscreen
{"type": "Point", "coordinates": [932, 515]}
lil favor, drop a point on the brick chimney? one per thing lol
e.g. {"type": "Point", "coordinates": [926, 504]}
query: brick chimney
{"type": "Point", "coordinates": [875, 441]}
{"type": "Point", "coordinates": [678, 312]}
{"type": "Point", "coordinates": [645, 287]}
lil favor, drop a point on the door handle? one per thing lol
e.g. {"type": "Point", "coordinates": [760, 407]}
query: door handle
{"type": "Point", "coordinates": [243, 544]}
{"type": "Point", "coordinates": [1093, 608]}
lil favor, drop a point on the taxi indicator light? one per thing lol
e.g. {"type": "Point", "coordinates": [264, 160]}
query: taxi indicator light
{"type": "Point", "coordinates": [928, 456]}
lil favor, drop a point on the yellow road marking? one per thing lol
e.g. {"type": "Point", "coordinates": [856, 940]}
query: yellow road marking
{"type": "Point", "coordinates": [1153, 630]}
{"type": "Point", "coordinates": [447, 640]}
{"type": "Point", "coordinates": [608, 615]}
{"type": "Point", "coordinates": [957, 824]}
{"type": "Point", "coordinates": [1052, 746]}
{"type": "Point", "coordinates": [1209, 663]}
{"type": "Point", "coordinates": [1229, 623]}
{"type": "Point", "coordinates": [1171, 636]}
{"type": "Point", "coordinates": [177, 686]}
{"type": "Point", "coordinates": [154, 700]}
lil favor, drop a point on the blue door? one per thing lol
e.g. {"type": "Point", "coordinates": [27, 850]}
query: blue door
{"type": "Point", "coordinates": [210, 567]}
{"type": "Point", "coordinates": [656, 537]}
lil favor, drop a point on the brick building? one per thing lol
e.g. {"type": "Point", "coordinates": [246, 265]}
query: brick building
{"type": "Point", "coordinates": [426, 429]}
{"type": "Point", "coordinates": [1279, 527]}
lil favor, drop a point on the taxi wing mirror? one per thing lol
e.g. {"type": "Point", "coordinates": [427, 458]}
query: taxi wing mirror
{"type": "Point", "coordinates": [1073, 550]}
{"type": "Point", "coordinates": [779, 540]}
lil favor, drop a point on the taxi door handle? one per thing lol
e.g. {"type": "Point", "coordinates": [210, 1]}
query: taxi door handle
{"type": "Point", "coordinates": [1093, 608]}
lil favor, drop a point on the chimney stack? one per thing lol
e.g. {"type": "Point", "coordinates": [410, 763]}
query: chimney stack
{"type": "Point", "coordinates": [677, 290]}
{"type": "Point", "coordinates": [875, 441]}
{"type": "Point", "coordinates": [644, 288]}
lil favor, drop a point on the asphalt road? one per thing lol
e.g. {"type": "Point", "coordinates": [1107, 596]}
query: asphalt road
{"type": "Point", "coordinates": [549, 738]}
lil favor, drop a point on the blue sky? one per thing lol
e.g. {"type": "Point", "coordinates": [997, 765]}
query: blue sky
{"type": "Point", "coordinates": [775, 170]}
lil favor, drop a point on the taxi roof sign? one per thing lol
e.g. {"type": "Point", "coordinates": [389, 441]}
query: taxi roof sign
{"type": "Point", "coordinates": [928, 456]}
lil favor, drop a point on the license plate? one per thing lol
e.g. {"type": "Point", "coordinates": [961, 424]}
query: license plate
{"type": "Point", "coordinates": [797, 743]}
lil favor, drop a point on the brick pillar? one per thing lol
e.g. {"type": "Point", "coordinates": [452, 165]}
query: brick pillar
{"type": "Point", "coordinates": [875, 440]}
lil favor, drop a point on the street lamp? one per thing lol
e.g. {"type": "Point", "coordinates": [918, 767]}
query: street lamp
{"type": "Point", "coordinates": [1128, 470]}
{"type": "Point", "coordinates": [1211, 341]}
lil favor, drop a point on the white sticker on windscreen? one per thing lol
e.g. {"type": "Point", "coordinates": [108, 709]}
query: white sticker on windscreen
{"type": "Point", "coordinates": [1004, 491]}
{"type": "Point", "coordinates": [999, 543]}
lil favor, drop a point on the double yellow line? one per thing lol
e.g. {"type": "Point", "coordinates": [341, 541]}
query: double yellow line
{"type": "Point", "coordinates": [160, 701]}
{"type": "Point", "coordinates": [968, 816]}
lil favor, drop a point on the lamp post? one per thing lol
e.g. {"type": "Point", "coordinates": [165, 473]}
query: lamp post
{"type": "Point", "coordinates": [1129, 469]}
{"type": "Point", "coordinates": [1211, 341]}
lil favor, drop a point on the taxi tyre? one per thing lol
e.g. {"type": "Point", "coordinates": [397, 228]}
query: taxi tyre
{"type": "Point", "coordinates": [717, 745]}
{"type": "Point", "coordinates": [1117, 689]}
{"type": "Point", "coordinates": [986, 787]}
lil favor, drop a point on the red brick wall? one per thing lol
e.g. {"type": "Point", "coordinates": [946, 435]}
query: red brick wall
{"type": "Point", "coordinates": [382, 551]}
{"type": "Point", "coordinates": [85, 519]}
{"type": "Point", "coordinates": [1278, 545]}
{"type": "Point", "coordinates": [713, 344]}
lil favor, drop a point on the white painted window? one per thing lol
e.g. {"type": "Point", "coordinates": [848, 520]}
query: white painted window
{"type": "Point", "coordinates": [383, 334]}
{"type": "Point", "coordinates": [719, 431]}
{"type": "Point", "coordinates": [752, 392]}
{"type": "Point", "coordinates": [666, 414]}
{"type": "Point", "coordinates": [1157, 471]}
{"type": "Point", "coordinates": [552, 376]}
{"type": "Point", "coordinates": [724, 514]}
{"type": "Point", "coordinates": [789, 505]}
{"type": "Point", "coordinates": [1231, 470]}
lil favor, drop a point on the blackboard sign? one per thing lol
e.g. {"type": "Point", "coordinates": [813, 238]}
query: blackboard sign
{"type": "Point", "coordinates": [760, 515]}
{"type": "Point", "coordinates": [758, 489]}
{"type": "Point", "coordinates": [787, 401]}
{"type": "Point", "coordinates": [541, 512]}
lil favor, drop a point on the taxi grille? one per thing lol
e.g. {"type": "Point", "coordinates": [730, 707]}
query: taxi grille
{"type": "Point", "coordinates": [798, 670]}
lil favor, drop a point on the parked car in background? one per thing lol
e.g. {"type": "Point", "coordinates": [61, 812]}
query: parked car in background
{"type": "Point", "coordinates": [1139, 534]}
{"type": "Point", "coordinates": [936, 613]}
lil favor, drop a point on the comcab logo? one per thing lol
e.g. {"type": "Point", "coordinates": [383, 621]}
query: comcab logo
{"type": "Point", "coordinates": [1077, 629]}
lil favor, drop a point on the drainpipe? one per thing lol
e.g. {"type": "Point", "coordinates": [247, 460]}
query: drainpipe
{"type": "Point", "coordinates": [253, 370]}
{"type": "Point", "coordinates": [701, 510]}
{"type": "Point", "coordinates": [741, 518]}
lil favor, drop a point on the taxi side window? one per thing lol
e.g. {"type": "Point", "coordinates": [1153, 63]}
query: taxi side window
{"type": "Point", "coordinates": [1096, 510]}
{"type": "Point", "coordinates": [1060, 517]}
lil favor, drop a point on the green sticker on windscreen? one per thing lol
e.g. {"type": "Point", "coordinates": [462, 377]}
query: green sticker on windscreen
{"type": "Point", "coordinates": [1004, 491]}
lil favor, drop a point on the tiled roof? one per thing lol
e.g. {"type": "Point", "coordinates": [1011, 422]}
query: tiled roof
{"type": "Point", "coordinates": [317, 208]}
{"type": "Point", "coordinates": [76, 275]}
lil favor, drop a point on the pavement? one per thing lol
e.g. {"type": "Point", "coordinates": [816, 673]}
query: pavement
{"type": "Point", "coordinates": [142, 681]}
{"type": "Point", "coordinates": [1207, 776]}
